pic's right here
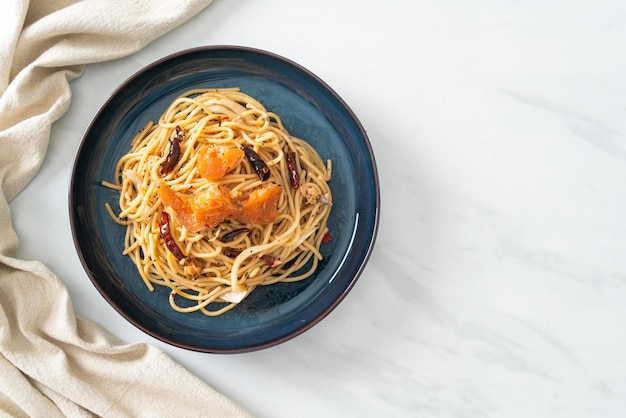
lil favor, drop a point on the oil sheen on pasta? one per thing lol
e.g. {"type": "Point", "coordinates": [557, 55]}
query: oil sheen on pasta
{"type": "Point", "coordinates": [218, 198]}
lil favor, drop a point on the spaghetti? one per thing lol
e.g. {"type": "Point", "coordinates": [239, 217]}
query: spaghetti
{"type": "Point", "coordinates": [218, 198]}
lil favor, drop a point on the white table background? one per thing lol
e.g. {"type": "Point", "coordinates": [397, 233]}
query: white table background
{"type": "Point", "coordinates": [497, 287]}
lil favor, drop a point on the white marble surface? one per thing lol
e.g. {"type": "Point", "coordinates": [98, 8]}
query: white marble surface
{"type": "Point", "coordinates": [497, 287]}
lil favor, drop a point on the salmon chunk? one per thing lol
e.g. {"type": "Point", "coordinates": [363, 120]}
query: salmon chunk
{"type": "Point", "coordinates": [214, 162]}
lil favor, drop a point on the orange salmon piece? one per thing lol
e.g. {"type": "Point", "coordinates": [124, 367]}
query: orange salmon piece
{"type": "Point", "coordinates": [260, 206]}
{"type": "Point", "coordinates": [213, 206]}
{"type": "Point", "coordinates": [214, 162]}
{"type": "Point", "coordinates": [207, 208]}
{"type": "Point", "coordinates": [183, 213]}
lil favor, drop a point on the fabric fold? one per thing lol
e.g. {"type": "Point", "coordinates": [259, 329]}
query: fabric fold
{"type": "Point", "coordinates": [53, 363]}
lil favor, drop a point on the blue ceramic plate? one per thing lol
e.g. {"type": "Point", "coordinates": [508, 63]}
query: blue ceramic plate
{"type": "Point", "coordinates": [310, 110]}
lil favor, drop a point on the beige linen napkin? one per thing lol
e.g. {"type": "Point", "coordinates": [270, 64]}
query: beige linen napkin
{"type": "Point", "coordinates": [53, 363]}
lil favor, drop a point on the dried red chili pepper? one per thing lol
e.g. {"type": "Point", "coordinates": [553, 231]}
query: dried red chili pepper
{"type": "Point", "coordinates": [257, 163]}
{"type": "Point", "coordinates": [230, 252]}
{"type": "Point", "coordinates": [164, 230]}
{"type": "Point", "coordinates": [174, 154]}
{"type": "Point", "coordinates": [172, 157]}
{"type": "Point", "coordinates": [327, 238]}
{"type": "Point", "coordinates": [234, 234]}
{"type": "Point", "coordinates": [292, 166]}
{"type": "Point", "coordinates": [180, 135]}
